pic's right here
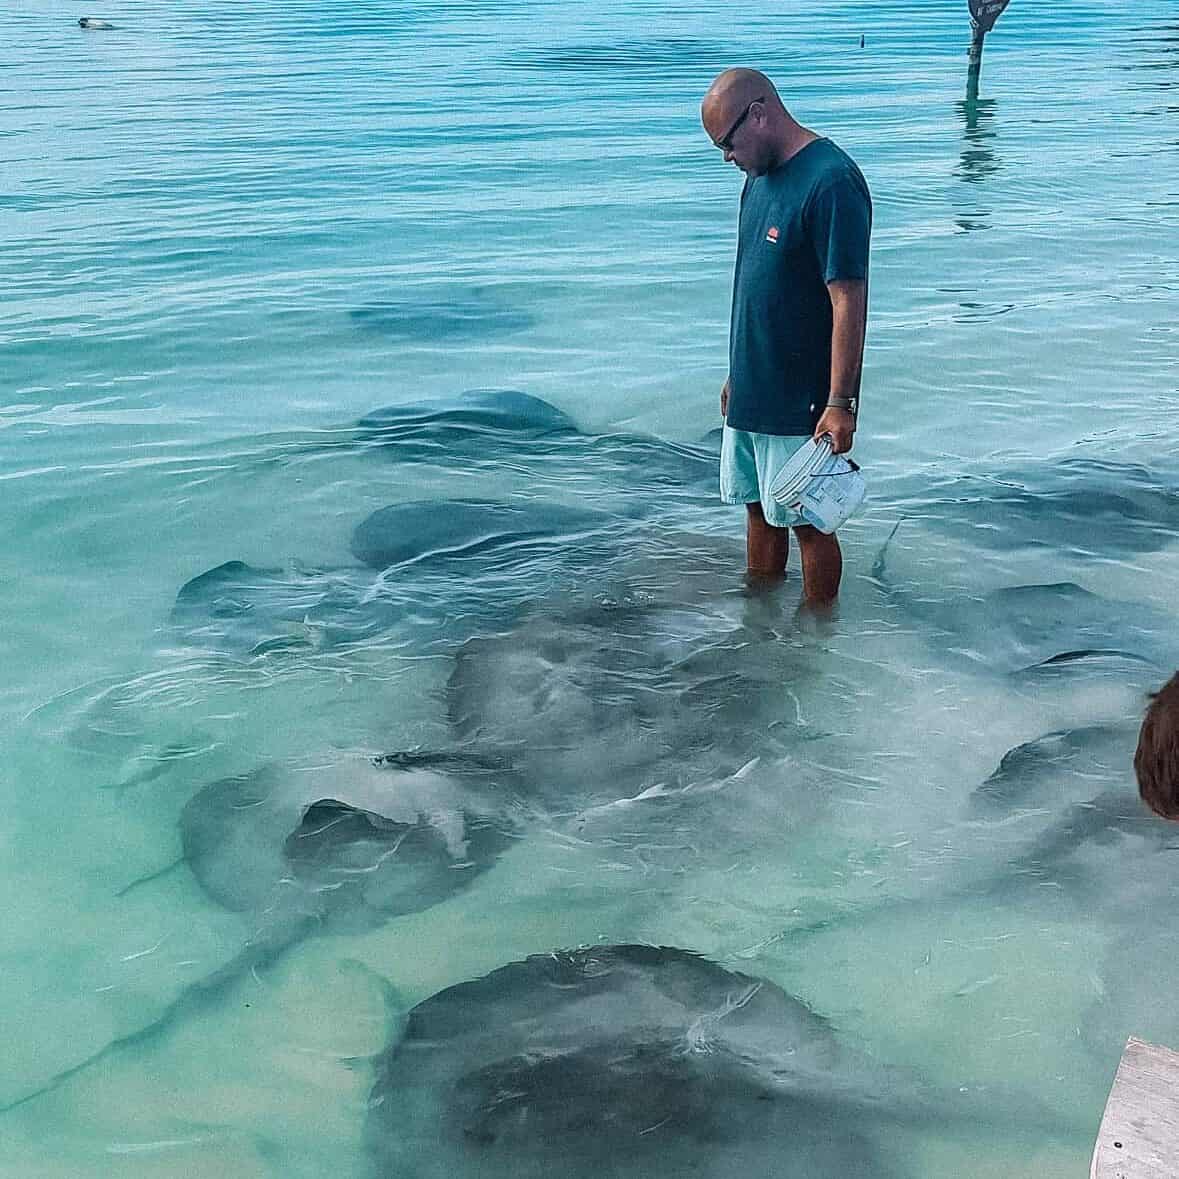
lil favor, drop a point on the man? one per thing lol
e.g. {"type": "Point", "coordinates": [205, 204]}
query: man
{"type": "Point", "coordinates": [800, 295]}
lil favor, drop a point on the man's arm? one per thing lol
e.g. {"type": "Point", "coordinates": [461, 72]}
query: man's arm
{"type": "Point", "coordinates": [849, 318]}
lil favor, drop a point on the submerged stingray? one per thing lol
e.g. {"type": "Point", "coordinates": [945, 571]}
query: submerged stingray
{"type": "Point", "coordinates": [246, 610]}
{"type": "Point", "coordinates": [484, 427]}
{"type": "Point", "coordinates": [1059, 822]}
{"type": "Point", "coordinates": [473, 315]}
{"type": "Point", "coordinates": [519, 549]}
{"type": "Point", "coordinates": [644, 464]}
{"type": "Point", "coordinates": [345, 850]}
{"type": "Point", "coordinates": [461, 528]}
{"type": "Point", "coordinates": [337, 850]}
{"type": "Point", "coordinates": [1053, 769]}
{"type": "Point", "coordinates": [1078, 505]}
{"type": "Point", "coordinates": [622, 1061]}
{"type": "Point", "coordinates": [1089, 842]}
{"type": "Point", "coordinates": [1062, 793]}
{"type": "Point", "coordinates": [1049, 802]}
{"type": "Point", "coordinates": [478, 413]}
{"type": "Point", "coordinates": [603, 698]}
{"type": "Point", "coordinates": [662, 55]}
{"type": "Point", "coordinates": [635, 1061]}
{"type": "Point", "coordinates": [1025, 627]}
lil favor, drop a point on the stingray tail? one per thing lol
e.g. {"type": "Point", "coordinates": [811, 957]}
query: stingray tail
{"type": "Point", "coordinates": [879, 572]}
{"type": "Point", "coordinates": [254, 956]}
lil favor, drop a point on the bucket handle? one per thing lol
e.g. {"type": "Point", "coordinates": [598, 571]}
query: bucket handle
{"type": "Point", "coordinates": [831, 474]}
{"type": "Point", "coordinates": [851, 462]}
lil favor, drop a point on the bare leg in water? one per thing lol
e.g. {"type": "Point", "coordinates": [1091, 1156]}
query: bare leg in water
{"type": "Point", "coordinates": [767, 547]}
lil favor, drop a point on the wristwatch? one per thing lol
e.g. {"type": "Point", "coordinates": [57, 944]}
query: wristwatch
{"type": "Point", "coordinates": [851, 404]}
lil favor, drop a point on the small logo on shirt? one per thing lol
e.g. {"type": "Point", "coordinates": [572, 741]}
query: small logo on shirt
{"type": "Point", "coordinates": [772, 234]}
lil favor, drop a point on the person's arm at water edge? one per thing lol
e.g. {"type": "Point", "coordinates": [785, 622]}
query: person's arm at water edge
{"type": "Point", "coordinates": [849, 318]}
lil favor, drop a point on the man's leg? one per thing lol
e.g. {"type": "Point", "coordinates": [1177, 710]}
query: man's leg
{"type": "Point", "coordinates": [766, 547]}
{"type": "Point", "coordinates": [822, 565]}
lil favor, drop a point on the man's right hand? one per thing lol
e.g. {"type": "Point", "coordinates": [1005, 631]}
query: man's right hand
{"type": "Point", "coordinates": [725, 399]}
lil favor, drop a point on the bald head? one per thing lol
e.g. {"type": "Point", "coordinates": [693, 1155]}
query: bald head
{"type": "Point", "coordinates": [734, 90]}
{"type": "Point", "coordinates": [744, 116]}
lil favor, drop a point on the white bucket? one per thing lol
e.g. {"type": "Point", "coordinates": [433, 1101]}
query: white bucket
{"type": "Point", "coordinates": [824, 488]}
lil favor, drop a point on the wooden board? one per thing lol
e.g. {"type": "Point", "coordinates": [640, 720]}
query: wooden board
{"type": "Point", "coordinates": [1139, 1136]}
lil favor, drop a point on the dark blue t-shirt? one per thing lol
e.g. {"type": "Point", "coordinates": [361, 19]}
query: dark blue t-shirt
{"type": "Point", "coordinates": [802, 225]}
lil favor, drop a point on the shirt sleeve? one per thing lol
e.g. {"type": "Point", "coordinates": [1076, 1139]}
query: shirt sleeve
{"type": "Point", "coordinates": [839, 218]}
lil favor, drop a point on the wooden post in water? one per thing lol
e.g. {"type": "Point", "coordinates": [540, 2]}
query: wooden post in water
{"type": "Point", "coordinates": [1139, 1135]}
{"type": "Point", "coordinates": [983, 14]}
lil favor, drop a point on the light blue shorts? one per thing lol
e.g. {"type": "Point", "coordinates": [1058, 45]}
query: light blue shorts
{"type": "Point", "coordinates": [749, 462]}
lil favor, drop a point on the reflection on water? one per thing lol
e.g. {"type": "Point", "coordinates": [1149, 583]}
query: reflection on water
{"type": "Point", "coordinates": [978, 160]}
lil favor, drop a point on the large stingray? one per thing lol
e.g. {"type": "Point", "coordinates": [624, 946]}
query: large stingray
{"type": "Point", "coordinates": [632, 1061]}
{"type": "Point", "coordinates": [340, 848]}
{"type": "Point", "coordinates": [463, 528]}
{"type": "Point", "coordinates": [1023, 627]}
{"type": "Point", "coordinates": [1087, 845]}
{"type": "Point", "coordinates": [484, 428]}
{"type": "Point", "coordinates": [1054, 800]}
{"type": "Point", "coordinates": [344, 850]}
{"type": "Point", "coordinates": [473, 314]}
{"type": "Point", "coordinates": [1057, 825]}
{"type": "Point", "coordinates": [429, 552]}
{"type": "Point", "coordinates": [478, 415]}
{"type": "Point", "coordinates": [1076, 505]}
{"type": "Point", "coordinates": [247, 610]}
{"type": "Point", "coordinates": [603, 696]}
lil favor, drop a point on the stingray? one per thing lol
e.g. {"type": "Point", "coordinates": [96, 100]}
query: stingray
{"type": "Point", "coordinates": [1052, 769]}
{"type": "Point", "coordinates": [1053, 797]}
{"type": "Point", "coordinates": [504, 551]}
{"type": "Point", "coordinates": [1087, 841]}
{"type": "Point", "coordinates": [248, 610]}
{"type": "Point", "coordinates": [339, 850]}
{"type": "Point", "coordinates": [646, 465]}
{"type": "Point", "coordinates": [465, 528]}
{"type": "Point", "coordinates": [1077, 505]}
{"type": "Point", "coordinates": [484, 428]}
{"type": "Point", "coordinates": [347, 849]}
{"type": "Point", "coordinates": [602, 697]}
{"type": "Point", "coordinates": [474, 315]}
{"type": "Point", "coordinates": [1049, 799]}
{"type": "Point", "coordinates": [475, 418]}
{"type": "Point", "coordinates": [1025, 627]}
{"type": "Point", "coordinates": [1059, 821]}
{"type": "Point", "coordinates": [633, 1060]}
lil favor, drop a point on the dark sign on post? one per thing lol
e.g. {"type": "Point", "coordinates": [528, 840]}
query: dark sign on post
{"type": "Point", "coordinates": [984, 13]}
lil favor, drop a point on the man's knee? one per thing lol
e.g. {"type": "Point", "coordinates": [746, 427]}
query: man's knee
{"type": "Point", "coordinates": [760, 526]}
{"type": "Point", "coordinates": [809, 537]}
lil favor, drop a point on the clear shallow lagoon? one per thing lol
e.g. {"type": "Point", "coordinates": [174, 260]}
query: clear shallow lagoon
{"type": "Point", "coordinates": [230, 233]}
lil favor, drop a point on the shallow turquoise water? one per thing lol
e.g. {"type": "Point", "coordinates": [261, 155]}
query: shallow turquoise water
{"type": "Point", "coordinates": [231, 234]}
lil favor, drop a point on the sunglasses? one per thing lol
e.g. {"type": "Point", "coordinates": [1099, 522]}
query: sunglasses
{"type": "Point", "coordinates": [725, 143]}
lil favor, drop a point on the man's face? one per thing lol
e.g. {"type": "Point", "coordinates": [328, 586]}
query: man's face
{"type": "Point", "coordinates": [740, 135]}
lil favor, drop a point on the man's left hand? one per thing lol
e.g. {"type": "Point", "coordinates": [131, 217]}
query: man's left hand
{"type": "Point", "coordinates": [840, 424]}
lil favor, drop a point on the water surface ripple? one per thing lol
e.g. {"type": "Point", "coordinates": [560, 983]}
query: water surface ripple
{"type": "Point", "coordinates": [309, 725]}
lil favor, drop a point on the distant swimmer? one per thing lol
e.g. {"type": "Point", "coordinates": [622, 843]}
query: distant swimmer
{"type": "Point", "coordinates": [796, 338]}
{"type": "Point", "coordinates": [94, 22]}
